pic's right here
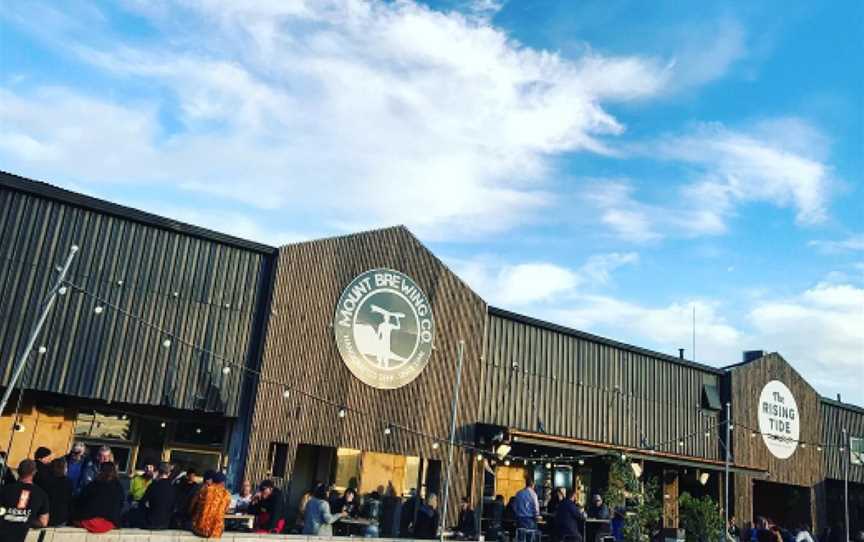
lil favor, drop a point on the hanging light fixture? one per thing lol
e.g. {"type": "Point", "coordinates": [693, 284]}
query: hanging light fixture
{"type": "Point", "coordinates": [286, 393]}
{"type": "Point", "coordinates": [226, 370]}
{"type": "Point", "coordinates": [479, 457]}
{"type": "Point", "coordinates": [581, 462]}
{"type": "Point", "coordinates": [62, 290]}
{"type": "Point", "coordinates": [166, 343]}
{"type": "Point", "coordinates": [98, 309]}
{"type": "Point", "coordinates": [680, 443]}
{"type": "Point", "coordinates": [387, 430]}
{"type": "Point", "coordinates": [342, 412]}
{"type": "Point", "coordinates": [435, 445]}
{"type": "Point", "coordinates": [43, 349]}
{"type": "Point", "coordinates": [548, 465]}
{"type": "Point", "coordinates": [506, 462]}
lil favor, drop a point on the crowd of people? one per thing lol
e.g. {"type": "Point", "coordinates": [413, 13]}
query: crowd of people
{"type": "Point", "coordinates": [84, 490]}
{"type": "Point", "coordinates": [766, 530]}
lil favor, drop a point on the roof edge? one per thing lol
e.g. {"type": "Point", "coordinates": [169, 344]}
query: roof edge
{"type": "Point", "coordinates": [841, 404]}
{"type": "Point", "coordinates": [503, 313]}
{"type": "Point", "coordinates": [49, 191]}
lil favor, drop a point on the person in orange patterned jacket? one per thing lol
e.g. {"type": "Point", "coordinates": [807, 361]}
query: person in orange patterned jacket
{"type": "Point", "coordinates": [209, 507]}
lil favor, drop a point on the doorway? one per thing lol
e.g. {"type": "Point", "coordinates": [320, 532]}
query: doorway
{"type": "Point", "coordinates": [785, 504]}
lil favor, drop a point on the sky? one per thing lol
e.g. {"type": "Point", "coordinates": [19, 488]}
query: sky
{"type": "Point", "coordinates": [607, 165]}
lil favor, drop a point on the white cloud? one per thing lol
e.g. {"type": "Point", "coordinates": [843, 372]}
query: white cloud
{"type": "Point", "coordinates": [853, 243]}
{"type": "Point", "coordinates": [821, 332]}
{"type": "Point", "coordinates": [373, 112]}
{"type": "Point", "coordinates": [698, 62]}
{"type": "Point", "coordinates": [779, 162]}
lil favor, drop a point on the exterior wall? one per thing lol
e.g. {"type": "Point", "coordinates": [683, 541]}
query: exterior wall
{"type": "Point", "coordinates": [805, 466]}
{"type": "Point", "coordinates": [300, 349]}
{"type": "Point", "coordinates": [835, 418]}
{"type": "Point", "coordinates": [582, 387]}
{"type": "Point", "coordinates": [136, 261]}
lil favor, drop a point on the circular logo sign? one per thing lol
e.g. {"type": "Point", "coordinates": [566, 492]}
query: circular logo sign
{"type": "Point", "coordinates": [384, 328]}
{"type": "Point", "coordinates": [779, 422]}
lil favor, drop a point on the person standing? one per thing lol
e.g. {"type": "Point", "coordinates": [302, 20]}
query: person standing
{"type": "Point", "coordinates": [208, 510]}
{"type": "Point", "coordinates": [569, 518]}
{"type": "Point", "coordinates": [101, 501]}
{"type": "Point", "coordinates": [58, 487]}
{"type": "Point", "coordinates": [317, 519]}
{"type": "Point", "coordinates": [598, 509]}
{"type": "Point", "coordinates": [43, 465]}
{"type": "Point", "coordinates": [526, 506]}
{"type": "Point", "coordinates": [25, 504]}
{"type": "Point", "coordinates": [427, 519]}
{"type": "Point", "coordinates": [76, 460]}
{"type": "Point", "coordinates": [92, 468]}
{"type": "Point", "coordinates": [159, 500]}
{"type": "Point", "coordinates": [185, 488]}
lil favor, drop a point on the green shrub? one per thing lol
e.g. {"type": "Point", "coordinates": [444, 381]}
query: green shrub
{"type": "Point", "coordinates": [700, 518]}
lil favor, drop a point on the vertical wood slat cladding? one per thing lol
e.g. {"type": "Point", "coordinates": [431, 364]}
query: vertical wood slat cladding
{"type": "Point", "coordinates": [591, 391]}
{"type": "Point", "coordinates": [835, 418]}
{"type": "Point", "coordinates": [300, 349]}
{"type": "Point", "coordinates": [109, 356]}
{"type": "Point", "coordinates": [805, 467]}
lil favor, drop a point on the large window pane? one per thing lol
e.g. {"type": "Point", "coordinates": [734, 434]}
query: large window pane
{"type": "Point", "coordinates": [200, 461]}
{"type": "Point", "coordinates": [102, 425]}
{"type": "Point", "coordinates": [347, 468]}
{"type": "Point", "coordinates": [199, 434]}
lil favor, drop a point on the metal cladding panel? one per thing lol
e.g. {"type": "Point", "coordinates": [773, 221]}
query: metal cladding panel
{"type": "Point", "coordinates": [138, 267]}
{"type": "Point", "coordinates": [835, 418]}
{"type": "Point", "coordinates": [805, 467]}
{"type": "Point", "coordinates": [301, 351]}
{"type": "Point", "coordinates": [582, 388]}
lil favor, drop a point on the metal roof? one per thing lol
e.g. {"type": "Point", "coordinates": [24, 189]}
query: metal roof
{"type": "Point", "coordinates": [49, 191]}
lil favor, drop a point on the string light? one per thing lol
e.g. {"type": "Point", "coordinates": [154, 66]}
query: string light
{"type": "Point", "coordinates": [286, 393]}
{"type": "Point", "coordinates": [43, 349]}
{"type": "Point", "coordinates": [506, 462]}
{"type": "Point", "coordinates": [198, 430]}
{"type": "Point", "coordinates": [581, 462]}
{"type": "Point", "coordinates": [387, 431]}
{"type": "Point", "coordinates": [162, 425]}
{"type": "Point", "coordinates": [707, 434]}
{"type": "Point", "coordinates": [62, 290]}
{"type": "Point", "coordinates": [479, 457]}
{"type": "Point", "coordinates": [343, 412]}
{"type": "Point", "coordinates": [623, 457]}
{"type": "Point", "coordinates": [226, 370]}
{"type": "Point", "coordinates": [548, 465]}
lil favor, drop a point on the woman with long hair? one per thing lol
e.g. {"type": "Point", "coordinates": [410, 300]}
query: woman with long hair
{"type": "Point", "coordinates": [101, 503]}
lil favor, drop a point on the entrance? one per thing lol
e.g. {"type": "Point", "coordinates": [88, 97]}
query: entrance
{"type": "Point", "coordinates": [786, 505]}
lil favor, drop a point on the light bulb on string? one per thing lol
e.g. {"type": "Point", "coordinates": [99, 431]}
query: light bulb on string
{"type": "Point", "coordinates": [166, 343]}
{"type": "Point", "coordinates": [479, 457]}
{"type": "Point", "coordinates": [42, 350]}
{"type": "Point", "coordinates": [62, 290]}
{"type": "Point", "coordinates": [623, 457]}
{"type": "Point", "coordinates": [226, 370]}
{"type": "Point", "coordinates": [162, 425]}
{"type": "Point", "coordinates": [435, 445]}
{"type": "Point", "coordinates": [548, 465]}
{"type": "Point", "coordinates": [198, 430]}
{"type": "Point", "coordinates": [680, 443]}
{"type": "Point", "coordinates": [286, 393]}
{"type": "Point", "coordinates": [342, 412]}
{"type": "Point", "coordinates": [707, 434]}
{"type": "Point", "coordinates": [752, 434]}
{"type": "Point", "coordinates": [387, 430]}
{"type": "Point", "coordinates": [581, 462]}
{"type": "Point", "coordinates": [98, 309]}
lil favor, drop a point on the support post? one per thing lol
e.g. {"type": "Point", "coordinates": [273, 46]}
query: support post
{"type": "Point", "coordinates": [726, 471]}
{"type": "Point", "coordinates": [847, 445]}
{"type": "Point", "coordinates": [455, 410]}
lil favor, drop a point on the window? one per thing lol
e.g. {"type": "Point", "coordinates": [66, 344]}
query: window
{"type": "Point", "coordinates": [347, 469]}
{"type": "Point", "coordinates": [278, 459]}
{"type": "Point", "coordinates": [103, 425]}
{"type": "Point", "coordinates": [710, 397]}
{"type": "Point", "coordinates": [199, 434]}
{"type": "Point", "coordinates": [200, 461]}
{"type": "Point", "coordinates": [856, 450]}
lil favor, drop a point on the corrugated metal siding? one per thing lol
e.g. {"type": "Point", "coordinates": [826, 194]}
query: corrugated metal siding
{"type": "Point", "coordinates": [587, 390]}
{"type": "Point", "coordinates": [834, 419]}
{"type": "Point", "coordinates": [139, 268]}
{"type": "Point", "coordinates": [300, 349]}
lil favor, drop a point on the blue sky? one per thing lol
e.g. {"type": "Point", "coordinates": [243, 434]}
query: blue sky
{"type": "Point", "coordinates": [607, 165]}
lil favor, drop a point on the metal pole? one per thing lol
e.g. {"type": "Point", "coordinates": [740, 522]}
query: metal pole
{"type": "Point", "coordinates": [22, 361]}
{"type": "Point", "coordinates": [847, 440]}
{"type": "Point", "coordinates": [455, 409]}
{"type": "Point", "coordinates": [726, 472]}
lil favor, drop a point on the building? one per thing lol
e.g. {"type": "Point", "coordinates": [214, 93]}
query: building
{"type": "Point", "coordinates": [354, 345]}
{"type": "Point", "coordinates": [101, 377]}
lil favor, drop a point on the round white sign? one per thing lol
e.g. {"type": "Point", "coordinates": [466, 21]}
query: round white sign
{"type": "Point", "coordinates": [384, 328]}
{"type": "Point", "coordinates": [779, 421]}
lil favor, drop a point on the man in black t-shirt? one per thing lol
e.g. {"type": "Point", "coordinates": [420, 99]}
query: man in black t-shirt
{"type": "Point", "coordinates": [22, 505]}
{"type": "Point", "coordinates": [159, 500]}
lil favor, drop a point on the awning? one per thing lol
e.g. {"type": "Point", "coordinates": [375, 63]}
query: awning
{"type": "Point", "coordinates": [541, 439]}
